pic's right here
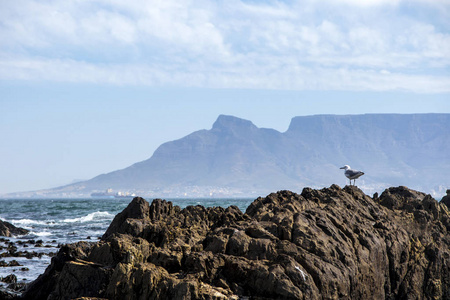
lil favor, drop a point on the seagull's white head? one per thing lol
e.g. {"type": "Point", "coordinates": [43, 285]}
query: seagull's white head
{"type": "Point", "coordinates": [346, 167]}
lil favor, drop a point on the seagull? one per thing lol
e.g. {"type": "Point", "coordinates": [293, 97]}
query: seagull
{"type": "Point", "coordinates": [352, 174]}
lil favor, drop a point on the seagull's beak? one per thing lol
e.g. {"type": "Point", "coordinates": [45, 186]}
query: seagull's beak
{"type": "Point", "coordinates": [342, 168]}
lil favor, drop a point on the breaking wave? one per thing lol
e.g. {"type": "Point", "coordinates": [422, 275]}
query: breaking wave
{"type": "Point", "coordinates": [95, 216]}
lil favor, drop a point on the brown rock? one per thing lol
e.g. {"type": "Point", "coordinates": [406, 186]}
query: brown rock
{"type": "Point", "coordinates": [8, 229]}
{"type": "Point", "coordinates": [137, 209]}
{"type": "Point", "coordinates": [331, 243]}
{"type": "Point", "coordinates": [9, 279]}
{"type": "Point", "coordinates": [446, 199]}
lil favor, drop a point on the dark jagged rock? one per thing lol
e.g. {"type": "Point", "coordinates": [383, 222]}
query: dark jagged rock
{"type": "Point", "coordinates": [446, 199]}
{"type": "Point", "coordinates": [12, 263]}
{"type": "Point", "coordinates": [8, 229]}
{"type": "Point", "coordinates": [331, 243]}
{"type": "Point", "coordinates": [9, 279]}
{"type": "Point", "coordinates": [137, 209]}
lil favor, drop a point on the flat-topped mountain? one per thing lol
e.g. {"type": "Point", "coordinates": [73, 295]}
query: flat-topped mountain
{"type": "Point", "coordinates": [235, 157]}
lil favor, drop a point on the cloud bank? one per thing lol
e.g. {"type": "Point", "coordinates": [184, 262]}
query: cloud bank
{"type": "Point", "coordinates": [373, 45]}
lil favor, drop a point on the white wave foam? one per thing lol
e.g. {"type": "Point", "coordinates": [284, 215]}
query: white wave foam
{"type": "Point", "coordinates": [98, 215]}
{"type": "Point", "coordinates": [28, 222]}
{"type": "Point", "coordinates": [40, 233]}
{"type": "Point", "coordinates": [43, 233]}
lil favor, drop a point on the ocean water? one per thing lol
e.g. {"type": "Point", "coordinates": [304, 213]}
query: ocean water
{"type": "Point", "coordinates": [54, 222]}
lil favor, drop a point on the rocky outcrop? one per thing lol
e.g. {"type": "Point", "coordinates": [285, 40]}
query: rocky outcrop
{"type": "Point", "coordinates": [331, 243]}
{"type": "Point", "coordinates": [8, 229]}
{"type": "Point", "coordinates": [446, 199]}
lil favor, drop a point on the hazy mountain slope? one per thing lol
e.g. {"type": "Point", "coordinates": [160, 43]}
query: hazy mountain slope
{"type": "Point", "coordinates": [234, 153]}
{"type": "Point", "coordinates": [392, 149]}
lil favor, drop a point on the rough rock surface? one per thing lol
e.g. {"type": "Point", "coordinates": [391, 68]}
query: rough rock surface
{"type": "Point", "coordinates": [8, 229]}
{"type": "Point", "coordinates": [446, 199]}
{"type": "Point", "coordinates": [331, 243]}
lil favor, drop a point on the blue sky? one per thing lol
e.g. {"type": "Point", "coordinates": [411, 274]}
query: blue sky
{"type": "Point", "coordinates": [88, 87]}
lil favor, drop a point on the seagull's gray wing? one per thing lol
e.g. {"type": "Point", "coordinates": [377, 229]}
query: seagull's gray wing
{"type": "Point", "coordinates": [353, 174]}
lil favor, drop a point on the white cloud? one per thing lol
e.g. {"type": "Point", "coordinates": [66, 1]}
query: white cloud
{"type": "Point", "coordinates": [370, 2]}
{"type": "Point", "coordinates": [344, 45]}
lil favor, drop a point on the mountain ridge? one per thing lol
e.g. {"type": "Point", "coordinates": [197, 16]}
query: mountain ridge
{"type": "Point", "coordinates": [236, 158]}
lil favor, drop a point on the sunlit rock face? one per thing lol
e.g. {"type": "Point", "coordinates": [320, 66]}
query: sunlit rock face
{"type": "Point", "coordinates": [331, 243]}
